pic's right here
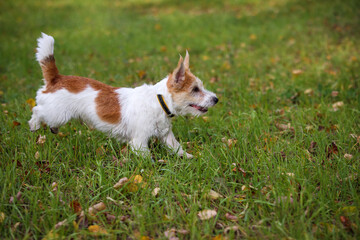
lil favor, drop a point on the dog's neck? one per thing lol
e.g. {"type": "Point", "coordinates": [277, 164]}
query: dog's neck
{"type": "Point", "coordinates": [162, 89]}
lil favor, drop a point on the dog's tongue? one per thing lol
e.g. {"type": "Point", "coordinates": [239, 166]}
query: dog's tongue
{"type": "Point", "coordinates": [201, 109]}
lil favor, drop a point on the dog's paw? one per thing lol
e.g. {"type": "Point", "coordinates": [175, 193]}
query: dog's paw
{"type": "Point", "coordinates": [189, 156]}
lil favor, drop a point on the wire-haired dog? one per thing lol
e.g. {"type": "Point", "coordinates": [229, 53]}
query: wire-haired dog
{"type": "Point", "coordinates": [128, 114]}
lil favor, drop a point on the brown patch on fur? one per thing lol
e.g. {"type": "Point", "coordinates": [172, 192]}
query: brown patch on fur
{"type": "Point", "coordinates": [183, 86]}
{"type": "Point", "coordinates": [107, 101]}
{"type": "Point", "coordinates": [49, 69]}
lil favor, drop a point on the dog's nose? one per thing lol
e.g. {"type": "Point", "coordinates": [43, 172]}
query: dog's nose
{"type": "Point", "coordinates": [215, 100]}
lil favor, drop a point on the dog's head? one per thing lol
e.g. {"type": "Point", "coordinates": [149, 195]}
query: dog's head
{"type": "Point", "coordinates": [187, 91]}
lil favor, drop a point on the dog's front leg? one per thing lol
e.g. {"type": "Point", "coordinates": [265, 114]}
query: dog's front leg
{"type": "Point", "coordinates": [174, 145]}
{"type": "Point", "coordinates": [140, 147]}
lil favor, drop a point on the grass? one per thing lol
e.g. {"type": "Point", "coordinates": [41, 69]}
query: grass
{"type": "Point", "coordinates": [270, 62]}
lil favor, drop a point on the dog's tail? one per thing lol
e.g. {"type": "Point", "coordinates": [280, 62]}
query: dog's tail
{"type": "Point", "coordinates": [45, 57]}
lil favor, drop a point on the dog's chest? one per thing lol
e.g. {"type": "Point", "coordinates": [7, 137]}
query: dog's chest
{"type": "Point", "coordinates": [162, 128]}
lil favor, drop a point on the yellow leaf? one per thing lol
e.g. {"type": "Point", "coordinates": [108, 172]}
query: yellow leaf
{"type": "Point", "coordinates": [348, 210]}
{"type": "Point", "coordinates": [132, 187]}
{"type": "Point", "coordinates": [297, 72]}
{"type": "Point", "coordinates": [138, 179]}
{"type": "Point", "coordinates": [218, 237]}
{"type": "Point", "coordinates": [2, 217]}
{"type": "Point", "coordinates": [253, 37]}
{"type": "Point", "coordinates": [97, 229]}
{"type": "Point", "coordinates": [31, 102]}
{"type": "Point", "coordinates": [157, 27]}
{"type": "Point", "coordinates": [141, 74]}
{"type": "Point", "coordinates": [51, 235]}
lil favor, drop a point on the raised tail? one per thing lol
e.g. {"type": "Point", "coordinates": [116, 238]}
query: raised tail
{"type": "Point", "coordinates": [45, 57]}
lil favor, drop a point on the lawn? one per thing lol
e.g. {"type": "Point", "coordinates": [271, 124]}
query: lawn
{"type": "Point", "coordinates": [276, 158]}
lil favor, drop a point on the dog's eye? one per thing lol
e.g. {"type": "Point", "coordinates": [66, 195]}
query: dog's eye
{"type": "Point", "coordinates": [196, 89]}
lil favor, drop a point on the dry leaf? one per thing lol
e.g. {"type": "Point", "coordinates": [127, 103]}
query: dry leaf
{"type": "Point", "coordinates": [231, 217]}
{"type": "Point", "coordinates": [121, 182]}
{"type": "Point", "coordinates": [76, 207]}
{"type": "Point", "coordinates": [138, 179]}
{"type": "Point", "coordinates": [213, 195]}
{"type": "Point", "coordinates": [2, 217]}
{"type": "Point", "coordinates": [253, 37]}
{"type": "Point", "coordinates": [218, 237]}
{"type": "Point", "coordinates": [171, 234]}
{"type": "Point", "coordinates": [141, 74]}
{"type": "Point", "coordinates": [230, 142]}
{"type": "Point", "coordinates": [348, 156]}
{"type": "Point", "coordinates": [336, 106]}
{"type": "Point", "coordinates": [284, 127]}
{"type": "Point", "coordinates": [54, 186]}
{"type": "Point", "coordinates": [40, 140]}
{"type": "Point", "coordinates": [97, 208]}
{"type": "Point", "coordinates": [97, 229]}
{"type": "Point", "coordinates": [51, 236]}
{"type": "Point", "coordinates": [155, 192]}
{"type": "Point", "coordinates": [31, 103]}
{"type": "Point", "coordinates": [37, 155]}
{"type": "Point", "coordinates": [309, 92]}
{"type": "Point", "coordinates": [15, 123]}
{"type": "Point", "coordinates": [332, 149]}
{"type": "Point", "coordinates": [206, 214]}
{"type": "Point", "coordinates": [297, 72]}
{"type": "Point", "coordinates": [334, 93]}
{"type": "Point", "coordinates": [60, 224]}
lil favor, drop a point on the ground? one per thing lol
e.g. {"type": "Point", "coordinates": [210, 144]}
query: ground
{"type": "Point", "coordinates": [276, 158]}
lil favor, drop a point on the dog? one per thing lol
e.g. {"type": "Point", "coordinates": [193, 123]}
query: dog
{"type": "Point", "coordinates": [127, 114]}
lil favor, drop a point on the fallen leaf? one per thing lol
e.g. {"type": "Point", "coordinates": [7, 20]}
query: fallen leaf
{"type": "Point", "coordinates": [37, 155]}
{"type": "Point", "coordinates": [229, 142]}
{"type": "Point", "coordinates": [334, 93]}
{"type": "Point", "coordinates": [171, 234]}
{"type": "Point", "coordinates": [15, 123]}
{"type": "Point", "coordinates": [31, 102]}
{"type": "Point", "coordinates": [97, 229]}
{"type": "Point", "coordinates": [54, 186]}
{"type": "Point", "coordinates": [183, 231]}
{"type": "Point", "coordinates": [348, 211]}
{"type": "Point", "coordinates": [2, 217]}
{"type": "Point", "coordinates": [97, 208]}
{"type": "Point", "coordinates": [138, 179]}
{"type": "Point", "coordinates": [40, 140]}
{"type": "Point", "coordinates": [60, 224]}
{"type": "Point", "coordinates": [121, 182]}
{"type": "Point", "coordinates": [218, 237]}
{"type": "Point", "coordinates": [206, 214]}
{"type": "Point", "coordinates": [213, 195]}
{"type": "Point", "coordinates": [336, 106]}
{"type": "Point", "coordinates": [51, 236]}
{"type": "Point", "coordinates": [297, 72]}
{"type": "Point", "coordinates": [231, 228]}
{"type": "Point", "coordinates": [110, 218]}
{"type": "Point", "coordinates": [313, 147]}
{"type": "Point", "coordinates": [230, 217]}
{"type": "Point", "coordinates": [332, 149]}
{"type": "Point", "coordinates": [346, 223]}
{"type": "Point", "coordinates": [253, 37]}
{"type": "Point", "coordinates": [348, 156]}
{"type": "Point", "coordinates": [309, 92]}
{"type": "Point", "coordinates": [100, 151]}
{"type": "Point", "coordinates": [284, 127]}
{"type": "Point", "coordinates": [156, 191]}
{"type": "Point", "coordinates": [76, 206]}
{"type": "Point", "coordinates": [141, 74]}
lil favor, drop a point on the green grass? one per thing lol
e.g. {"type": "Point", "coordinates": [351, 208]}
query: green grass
{"type": "Point", "coordinates": [245, 51]}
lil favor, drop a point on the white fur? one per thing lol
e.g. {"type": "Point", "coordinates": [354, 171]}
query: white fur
{"type": "Point", "coordinates": [45, 47]}
{"type": "Point", "coordinates": [142, 116]}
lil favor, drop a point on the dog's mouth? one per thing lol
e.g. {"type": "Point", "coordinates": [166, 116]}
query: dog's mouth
{"type": "Point", "coordinates": [201, 109]}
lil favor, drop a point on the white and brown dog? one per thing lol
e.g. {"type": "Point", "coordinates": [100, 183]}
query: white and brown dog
{"type": "Point", "coordinates": [128, 114]}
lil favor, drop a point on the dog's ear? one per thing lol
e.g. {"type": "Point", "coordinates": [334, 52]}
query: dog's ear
{"type": "Point", "coordinates": [186, 61]}
{"type": "Point", "coordinates": [179, 72]}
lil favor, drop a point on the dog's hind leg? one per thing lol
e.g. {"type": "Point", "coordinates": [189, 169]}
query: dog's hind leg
{"type": "Point", "coordinates": [35, 121]}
